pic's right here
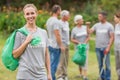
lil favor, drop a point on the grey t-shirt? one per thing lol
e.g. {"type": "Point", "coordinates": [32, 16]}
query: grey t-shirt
{"type": "Point", "coordinates": [65, 32]}
{"type": "Point", "coordinates": [117, 37]}
{"type": "Point", "coordinates": [79, 34]}
{"type": "Point", "coordinates": [32, 61]}
{"type": "Point", "coordinates": [53, 24]}
{"type": "Point", "coordinates": [103, 32]}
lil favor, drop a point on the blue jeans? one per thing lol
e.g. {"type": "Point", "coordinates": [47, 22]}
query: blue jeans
{"type": "Point", "coordinates": [106, 74]}
{"type": "Point", "coordinates": [54, 59]}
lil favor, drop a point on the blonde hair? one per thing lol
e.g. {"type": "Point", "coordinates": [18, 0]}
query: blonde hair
{"type": "Point", "coordinates": [30, 5]}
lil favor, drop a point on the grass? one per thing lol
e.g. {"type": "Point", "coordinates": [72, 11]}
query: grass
{"type": "Point", "coordinates": [72, 68]}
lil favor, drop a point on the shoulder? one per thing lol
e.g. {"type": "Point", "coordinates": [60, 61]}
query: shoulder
{"type": "Point", "coordinates": [109, 24]}
{"type": "Point", "coordinates": [43, 31]}
{"type": "Point", "coordinates": [97, 24]}
{"type": "Point", "coordinates": [74, 29]}
{"type": "Point", "coordinates": [84, 26]}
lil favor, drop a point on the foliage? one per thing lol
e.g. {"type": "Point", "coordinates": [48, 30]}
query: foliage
{"type": "Point", "coordinates": [12, 20]}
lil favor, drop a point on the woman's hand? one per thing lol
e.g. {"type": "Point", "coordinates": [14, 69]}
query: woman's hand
{"type": "Point", "coordinates": [28, 38]}
{"type": "Point", "coordinates": [49, 77]}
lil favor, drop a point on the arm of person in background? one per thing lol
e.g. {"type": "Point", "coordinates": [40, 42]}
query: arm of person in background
{"type": "Point", "coordinates": [110, 43]}
{"type": "Point", "coordinates": [87, 39]}
{"type": "Point", "coordinates": [75, 41]}
{"type": "Point", "coordinates": [88, 34]}
{"type": "Point", "coordinates": [73, 37]}
{"type": "Point", "coordinates": [47, 63]}
{"type": "Point", "coordinates": [59, 39]}
{"type": "Point", "coordinates": [19, 51]}
{"type": "Point", "coordinates": [89, 31]}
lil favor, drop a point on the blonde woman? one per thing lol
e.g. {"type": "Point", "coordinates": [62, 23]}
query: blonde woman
{"type": "Point", "coordinates": [33, 59]}
{"type": "Point", "coordinates": [79, 35]}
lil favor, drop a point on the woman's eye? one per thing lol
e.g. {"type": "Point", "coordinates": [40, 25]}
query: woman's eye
{"type": "Point", "coordinates": [27, 13]}
{"type": "Point", "coordinates": [32, 13]}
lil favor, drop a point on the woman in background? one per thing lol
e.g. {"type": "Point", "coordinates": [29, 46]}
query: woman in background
{"type": "Point", "coordinates": [80, 35]}
{"type": "Point", "coordinates": [117, 43]}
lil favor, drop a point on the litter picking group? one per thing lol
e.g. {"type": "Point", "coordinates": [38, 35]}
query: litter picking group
{"type": "Point", "coordinates": [44, 55]}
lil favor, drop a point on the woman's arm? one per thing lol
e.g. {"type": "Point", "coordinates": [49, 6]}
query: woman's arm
{"type": "Point", "coordinates": [87, 39]}
{"type": "Point", "coordinates": [74, 41]}
{"type": "Point", "coordinates": [18, 52]}
{"type": "Point", "coordinates": [47, 63]}
{"type": "Point", "coordinates": [88, 35]}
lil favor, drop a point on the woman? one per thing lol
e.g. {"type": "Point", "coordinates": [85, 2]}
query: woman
{"type": "Point", "coordinates": [33, 59]}
{"type": "Point", "coordinates": [117, 43]}
{"type": "Point", "coordinates": [79, 35]}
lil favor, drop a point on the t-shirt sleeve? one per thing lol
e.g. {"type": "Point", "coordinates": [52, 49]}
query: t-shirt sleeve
{"type": "Point", "coordinates": [72, 34]}
{"type": "Point", "coordinates": [17, 42]}
{"type": "Point", "coordinates": [56, 25]}
{"type": "Point", "coordinates": [47, 41]}
{"type": "Point", "coordinates": [94, 27]}
{"type": "Point", "coordinates": [111, 29]}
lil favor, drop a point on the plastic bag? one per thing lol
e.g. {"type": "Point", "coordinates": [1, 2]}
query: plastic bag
{"type": "Point", "coordinates": [80, 54]}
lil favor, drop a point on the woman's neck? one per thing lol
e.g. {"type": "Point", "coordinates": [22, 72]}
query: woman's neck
{"type": "Point", "coordinates": [79, 25]}
{"type": "Point", "coordinates": [31, 27]}
{"type": "Point", "coordinates": [119, 22]}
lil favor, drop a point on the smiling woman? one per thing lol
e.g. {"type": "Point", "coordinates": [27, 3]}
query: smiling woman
{"type": "Point", "coordinates": [33, 59]}
{"type": "Point", "coordinates": [30, 14]}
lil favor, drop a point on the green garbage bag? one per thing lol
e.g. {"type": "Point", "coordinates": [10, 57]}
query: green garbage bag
{"type": "Point", "coordinates": [7, 58]}
{"type": "Point", "coordinates": [80, 54]}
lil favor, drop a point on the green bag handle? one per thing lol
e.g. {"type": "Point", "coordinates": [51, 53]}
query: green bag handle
{"type": "Point", "coordinates": [35, 41]}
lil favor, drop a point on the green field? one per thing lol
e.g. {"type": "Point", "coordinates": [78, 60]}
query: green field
{"type": "Point", "coordinates": [72, 68]}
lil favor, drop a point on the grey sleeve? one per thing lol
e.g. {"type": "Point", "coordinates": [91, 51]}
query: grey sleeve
{"type": "Point", "coordinates": [72, 34]}
{"type": "Point", "coordinates": [111, 29]}
{"type": "Point", "coordinates": [56, 26]}
{"type": "Point", "coordinates": [94, 27]}
{"type": "Point", "coordinates": [47, 41]}
{"type": "Point", "coordinates": [17, 42]}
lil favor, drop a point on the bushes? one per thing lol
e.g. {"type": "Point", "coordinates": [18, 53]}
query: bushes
{"type": "Point", "coordinates": [12, 20]}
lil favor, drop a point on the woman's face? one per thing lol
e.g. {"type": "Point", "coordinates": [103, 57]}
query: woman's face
{"type": "Point", "coordinates": [117, 20]}
{"type": "Point", "coordinates": [30, 15]}
{"type": "Point", "coordinates": [67, 17]}
{"type": "Point", "coordinates": [80, 21]}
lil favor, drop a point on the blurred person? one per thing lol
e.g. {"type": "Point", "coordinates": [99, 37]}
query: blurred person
{"type": "Point", "coordinates": [55, 39]}
{"type": "Point", "coordinates": [62, 67]}
{"type": "Point", "coordinates": [104, 38]}
{"type": "Point", "coordinates": [117, 43]}
{"type": "Point", "coordinates": [80, 35]}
